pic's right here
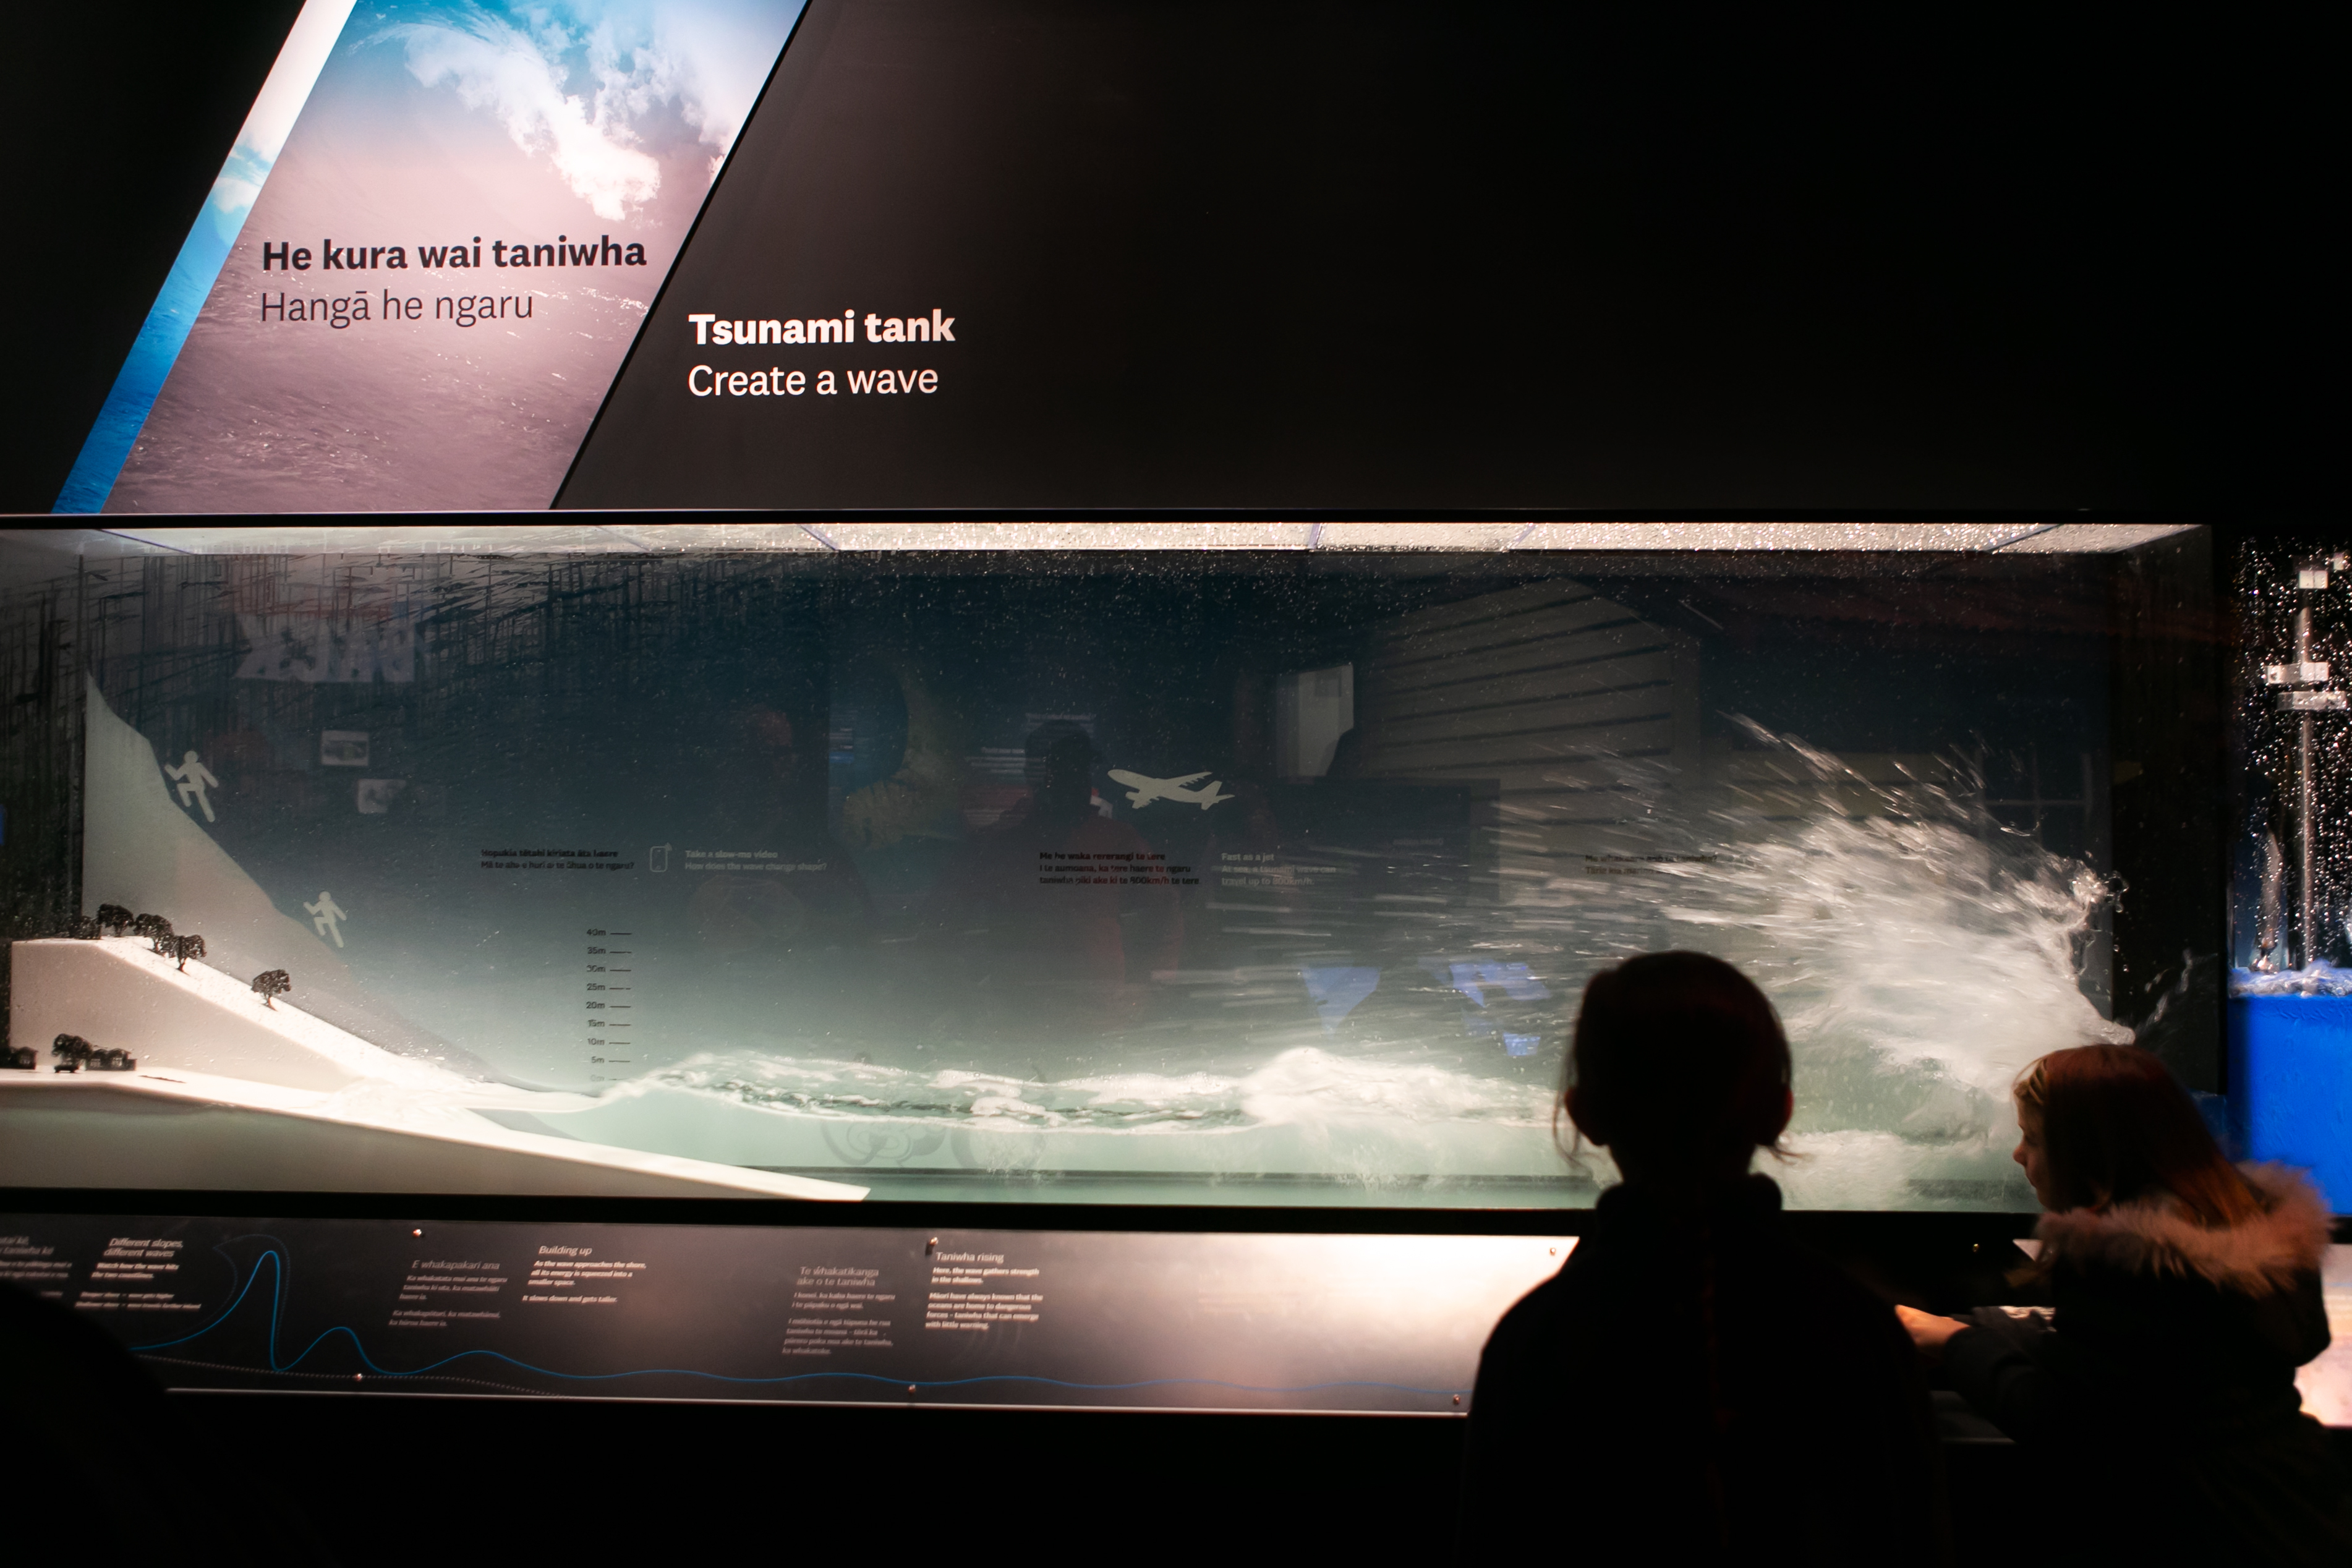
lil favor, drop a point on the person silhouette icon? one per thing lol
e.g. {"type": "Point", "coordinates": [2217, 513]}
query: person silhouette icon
{"type": "Point", "coordinates": [194, 779]}
{"type": "Point", "coordinates": [325, 914]}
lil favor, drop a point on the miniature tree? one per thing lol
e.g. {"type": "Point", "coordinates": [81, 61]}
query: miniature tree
{"type": "Point", "coordinates": [155, 928]}
{"type": "Point", "coordinates": [114, 920]}
{"type": "Point", "coordinates": [185, 948]}
{"type": "Point", "coordinates": [272, 983]}
{"type": "Point", "coordinates": [84, 928]}
{"type": "Point", "coordinates": [71, 1051]}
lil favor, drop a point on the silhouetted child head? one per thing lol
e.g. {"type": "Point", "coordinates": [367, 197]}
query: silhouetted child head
{"type": "Point", "coordinates": [1680, 1069]}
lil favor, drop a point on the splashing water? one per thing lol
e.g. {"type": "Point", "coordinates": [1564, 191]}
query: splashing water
{"type": "Point", "coordinates": [2317, 979]}
{"type": "Point", "coordinates": [1301, 1084]}
{"type": "Point", "coordinates": [1915, 944]}
{"type": "Point", "coordinates": [1919, 954]}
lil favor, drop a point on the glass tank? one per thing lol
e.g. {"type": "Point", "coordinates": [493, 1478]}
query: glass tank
{"type": "Point", "coordinates": [1217, 863]}
{"type": "Point", "coordinates": [2290, 935]}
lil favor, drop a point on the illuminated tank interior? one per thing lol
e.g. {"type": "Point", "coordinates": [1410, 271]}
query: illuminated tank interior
{"type": "Point", "coordinates": [1255, 875]}
{"type": "Point", "coordinates": [2290, 921]}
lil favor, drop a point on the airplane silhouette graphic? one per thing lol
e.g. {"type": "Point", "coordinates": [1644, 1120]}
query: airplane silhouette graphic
{"type": "Point", "coordinates": [1142, 790]}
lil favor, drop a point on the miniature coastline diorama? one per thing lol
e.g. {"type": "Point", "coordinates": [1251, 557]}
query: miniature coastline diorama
{"type": "Point", "coordinates": [75, 1054]}
{"type": "Point", "coordinates": [323, 1085]}
{"type": "Point", "coordinates": [822, 873]}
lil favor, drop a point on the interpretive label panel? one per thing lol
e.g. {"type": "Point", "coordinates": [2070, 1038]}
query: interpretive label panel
{"type": "Point", "coordinates": [1134, 1320]}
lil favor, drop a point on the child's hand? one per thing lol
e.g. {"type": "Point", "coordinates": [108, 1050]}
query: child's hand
{"type": "Point", "coordinates": [1929, 1332]}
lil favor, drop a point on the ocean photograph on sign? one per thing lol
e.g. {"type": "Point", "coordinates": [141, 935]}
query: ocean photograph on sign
{"type": "Point", "coordinates": [428, 252]}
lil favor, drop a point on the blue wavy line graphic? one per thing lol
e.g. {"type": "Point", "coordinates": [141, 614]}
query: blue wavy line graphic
{"type": "Point", "coordinates": [276, 1294]}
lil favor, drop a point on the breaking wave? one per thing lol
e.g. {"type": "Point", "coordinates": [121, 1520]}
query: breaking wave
{"type": "Point", "coordinates": [1303, 1084]}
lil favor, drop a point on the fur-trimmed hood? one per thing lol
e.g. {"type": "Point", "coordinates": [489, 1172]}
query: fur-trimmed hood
{"type": "Point", "coordinates": [2157, 1236]}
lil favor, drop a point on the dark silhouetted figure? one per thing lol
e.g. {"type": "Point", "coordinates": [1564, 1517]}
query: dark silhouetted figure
{"type": "Point", "coordinates": [272, 983]}
{"type": "Point", "coordinates": [1064, 912]}
{"type": "Point", "coordinates": [1693, 1386]}
{"type": "Point", "coordinates": [104, 1432]}
{"type": "Point", "coordinates": [754, 799]}
{"type": "Point", "coordinates": [2185, 1292]}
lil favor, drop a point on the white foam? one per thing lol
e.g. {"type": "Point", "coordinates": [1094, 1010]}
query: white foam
{"type": "Point", "coordinates": [2319, 978]}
